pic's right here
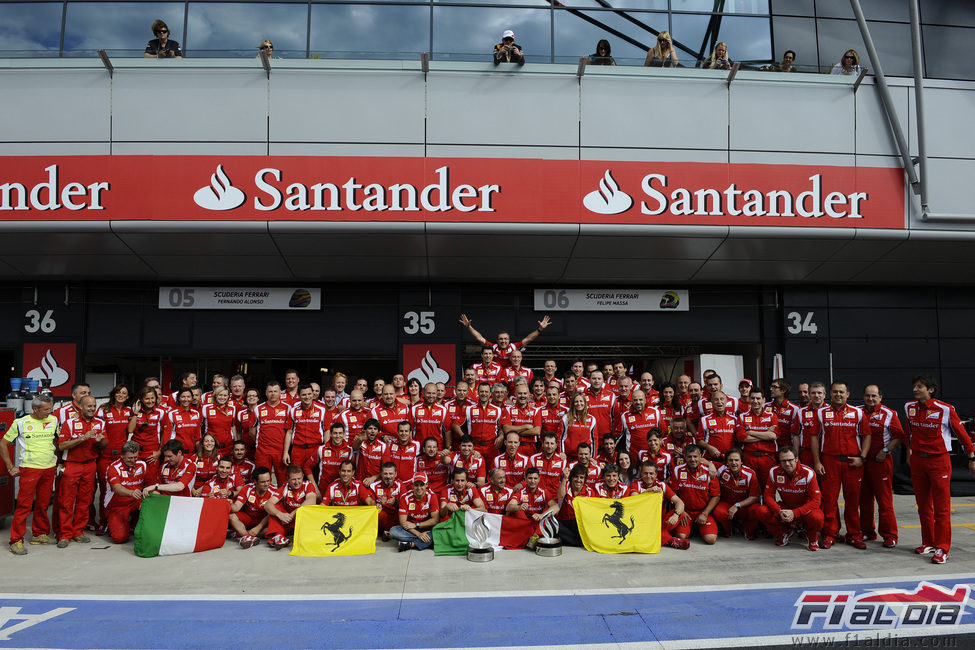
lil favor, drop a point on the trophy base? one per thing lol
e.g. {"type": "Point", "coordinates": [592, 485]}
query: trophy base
{"type": "Point", "coordinates": [479, 554]}
{"type": "Point", "coordinates": [548, 547]}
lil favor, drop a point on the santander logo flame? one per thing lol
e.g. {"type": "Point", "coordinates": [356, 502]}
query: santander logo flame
{"type": "Point", "coordinates": [49, 369]}
{"type": "Point", "coordinates": [220, 194]}
{"type": "Point", "coordinates": [429, 371]}
{"type": "Point", "coordinates": [609, 198]}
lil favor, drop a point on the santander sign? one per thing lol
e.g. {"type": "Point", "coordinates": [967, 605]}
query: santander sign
{"type": "Point", "coordinates": [488, 190]}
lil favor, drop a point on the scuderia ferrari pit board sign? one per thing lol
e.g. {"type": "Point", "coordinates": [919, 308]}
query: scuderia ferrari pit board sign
{"type": "Point", "coordinates": [283, 298]}
{"type": "Point", "coordinates": [611, 300]}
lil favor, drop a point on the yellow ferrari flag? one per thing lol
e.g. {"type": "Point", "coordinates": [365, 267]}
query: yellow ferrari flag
{"type": "Point", "coordinates": [324, 531]}
{"type": "Point", "coordinates": [629, 525]}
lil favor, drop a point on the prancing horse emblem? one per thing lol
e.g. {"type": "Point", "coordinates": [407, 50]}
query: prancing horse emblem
{"type": "Point", "coordinates": [335, 527]}
{"type": "Point", "coordinates": [616, 519]}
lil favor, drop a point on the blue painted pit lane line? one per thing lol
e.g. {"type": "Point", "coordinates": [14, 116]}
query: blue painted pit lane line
{"type": "Point", "coordinates": [701, 616]}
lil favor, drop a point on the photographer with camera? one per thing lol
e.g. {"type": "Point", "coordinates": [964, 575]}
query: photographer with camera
{"type": "Point", "coordinates": [507, 51]}
{"type": "Point", "coordinates": [162, 47]}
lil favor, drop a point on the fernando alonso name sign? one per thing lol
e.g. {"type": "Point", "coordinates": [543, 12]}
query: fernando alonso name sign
{"type": "Point", "coordinates": [285, 298]}
{"type": "Point", "coordinates": [346, 188]}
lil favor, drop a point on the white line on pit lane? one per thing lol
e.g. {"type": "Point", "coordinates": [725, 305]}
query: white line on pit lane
{"type": "Point", "coordinates": [499, 594]}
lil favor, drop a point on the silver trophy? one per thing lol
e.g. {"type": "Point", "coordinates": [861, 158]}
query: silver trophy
{"type": "Point", "coordinates": [480, 551]}
{"type": "Point", "coordinates": [549, 544]}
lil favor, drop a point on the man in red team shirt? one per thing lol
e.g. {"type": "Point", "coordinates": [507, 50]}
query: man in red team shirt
{"type": "Point", "coordinates": [520, 419]}
{"type": "Point", "coordinates": [291, 393]}
{"type": "Point", "coordinates": [610, 487]}
{"type": "Point", "coordinates": [532, 501]}
{"type": "Point", "coordinates": [385, 496]}
{"type": "Point", "coordinates": [125, 478]}
{"type": "Point", "coordinates": [496, 494]}
{"type": "Point", "coordinates": [655, 453]}
{"type": "Point", "coordinates": [247, 515]}
{"type": "Point", "coordinates": [513, 370]}
{"type": "Point", "coordinates": [504, 347]}
{"type": "Point", "coordinates": [243, 467]}
{"type": "Point", "coordinates": [676, 441]}
{"type": "Point", "coordinates": [283, 504]}
{"type": "Point", "coordinates": [354, 417]}
{"type": "Point", "coordinates": [310, 425]}
{"type": "Point", "coordinates": [683, 395]}
{"type": "Point", "coordinates": [429, 418]}
{"type": "Point", "coordinates": [226, 484]}
{"type": "Point", "coordinates": [717, 431]}
{"type": "Point", "coordinates": [369, 450]}
{"type": "Point", "coordinates": [403, 453]}
{"type": "Point", "coordinates": [237, 387]}
{"type": "Point", "coordinates": [467, 459]}
{"type": "Point", "coordinates": [419, 511]}
{"type": "Point", "coordinates": [345, 490]}
{"type": "Point", "coordinates": [840, 443]}
{"type": "Point", "coordinates": [607, 450]}
{"type": "Point", "coordinates": [798, 502]}
{"type": "Point", "coordinates": [273, 419]}
{"type": "Point", "coordinates": [572, 486]}
{"type": "Point", "coordinates": [786, 412]}
{"type": "Point", "coordinates": [930, 425]}
{"type": "Point", "coordinates": [483, 420]}
{"type": "Point", "coordinates": [389, 413]}
{"type": "Point", "coordinates": [488, 371]}
{"type": "Point", "coordinates": [815, 400]}
{"type": "Point", "coordinates": [549, 463]}
{"type": "Point", "coordinates": [512, 462]}
{"type": "Point", "coordinates": [73, 408]}
{"type": "Point", "coordinates": [177, 474]}
{"type": "Point", "coordinates": [328, 458]}
{"type": "Point", "coordinates": [886, 435]}
{"type": "Point", "coordinates": [460, 495]}
{"type": "Point", "coordinates": [80, 442]}
{"type": "Point", "coordinates": [646, 385]}
{"type": "Point", "coordinates": [740, 493]}
{"type": "Point", "coordinates": [550, 418]}
{"type": "Point", "coordinates": [538, 386]}
{"type": "Point", "coordinates": [670, 518]}
{"type": "Point", "coordinates": [601, 402]}
{"type": "Point", "coordinates": [432, 462]}
{"type": "Point", "coordinates": [700, 494]}
{"type": "Point", "coordinates": [594, 471]}
{"type": "Point", "coordinates": [757, 434]}
{"type": "Point", "coordinates": [637, 423]}
{"type": "Point", "coordinates": [457, 410]}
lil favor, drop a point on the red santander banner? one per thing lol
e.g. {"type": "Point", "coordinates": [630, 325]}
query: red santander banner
{"type": "Point", "coordinates": [503, 190]}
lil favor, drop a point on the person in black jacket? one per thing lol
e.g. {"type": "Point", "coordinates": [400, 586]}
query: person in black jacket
{"type": "Point", "coordinates": [507, 51]}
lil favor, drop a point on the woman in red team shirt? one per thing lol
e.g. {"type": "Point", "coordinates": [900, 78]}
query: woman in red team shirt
{"type": "Point", "coordinates": [579, 427]}
{"type": "Point", "coordinates": [116, 414]}
{"type": "Point", "coordinates": [146, 425]}
{"type": "Point", "coordinates": [247, 418]}
{"type": "Point", "coordinates": [628, 473]}
{"type": "Point", "coordinates": [413, 394]}
{"type": "Point", "coordinates": [205, 459]}
{"type": "Point", "coordinates": [219, 419]}
{"type": "Point", "coordinates": [668, 405]}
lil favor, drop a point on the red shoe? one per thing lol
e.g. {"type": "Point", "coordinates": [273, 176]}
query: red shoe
{"type": "Point", "coordinates": [940, 556]}
{"type": "Point", "coordinates": [813, 545]}
{"type": "Point", "coordinates": [870, 537]}
{"type": "Point", "coordinates": [924, 550]}
{"type": "Point", "coordinates": [890, 542]}
{"type": "Point", "coordinates": [826, 543]}
{"type": "Point", "coordinates": [857, 543]}
{"type": "Point", "coordinates": [784, 538]}
{"type": "Point", "coordinates": [247, 541]}
{"type": "Point", "coordinates": [679, 544]}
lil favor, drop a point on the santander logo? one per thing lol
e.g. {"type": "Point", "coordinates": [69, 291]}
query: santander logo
{"type": "Point", "coordinates": [429, 371]}
{"type": "Point", "coordinates": [49, 369]}
{"type": "Point", "coordinates": [609, 198]}
{"type": "Point", "coordinates": [220, 194]}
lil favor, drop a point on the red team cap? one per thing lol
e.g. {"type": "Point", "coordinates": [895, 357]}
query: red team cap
{"type": "Point", "coordinates": [746, 382]}
{"type": "Point", "coordinates": [420, 477]}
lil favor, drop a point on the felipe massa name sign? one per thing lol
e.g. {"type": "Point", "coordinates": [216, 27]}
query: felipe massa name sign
{"type": "Point", "coordinates": [296, 188]}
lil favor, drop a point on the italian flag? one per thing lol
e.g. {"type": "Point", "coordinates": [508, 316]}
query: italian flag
{"type": "Point", "coordinates": [475, 528]}
{"type": "Point", "coordinates": [173, 525]}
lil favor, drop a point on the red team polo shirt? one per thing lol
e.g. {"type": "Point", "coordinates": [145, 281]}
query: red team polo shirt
{"type": "Point", "coordinates": [219, 423]}
{"type": "Point", "coordinates": [310, 425]}
{"type": "Point", "coordinates": [132, 479]}
{"type": "Point", "coordinates": [840, 430]}
{"type": "Point", "coordinates": [931, 425]}
{"type": "Point", "coordinates": [184, 473]}
{"type": "Point", "coordinates": [514, 468]}
{"type": "Point", "coordinates": [738, 488]}
{"type": "Point", "coordinates": [764, 420]}
{"type": "Point", "coordinates": [418, 511]}
{"type": "Point", "coordinates": [353, 494]}
{"type": "Point", "coordinates": [404, 457]}
{"type": "Point", "coordinates": [696, 489]}
{"type": "Point", "coordinates": [75, 428]}
{"type": "Point", "coordinates": [186, 427]}
{"type": "Point", "coordinates": [636, 426]}
{"type": "Point", "coordinates": [429, 422]}
{"type": "Point", "coordinates": [719, 431]}
{"type": "Point", "coordinates": [272, 423]}
{"type": "Point", "coordinates": [496, 500]}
